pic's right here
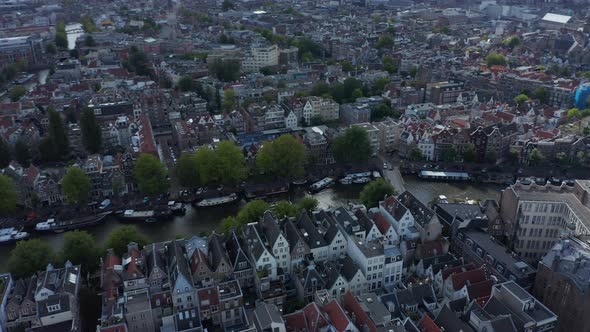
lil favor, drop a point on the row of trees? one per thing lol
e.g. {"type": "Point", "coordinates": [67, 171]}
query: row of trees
{"type": "Point", "coordinates": [256, 208]}
{"type": "Point", "coordinates": [61, 37]}
{"type": "Point", "coordinates": [79, 247]}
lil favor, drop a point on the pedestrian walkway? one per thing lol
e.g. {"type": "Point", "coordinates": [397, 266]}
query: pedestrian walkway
{"type": "Point", "coordinates": [394, 176]}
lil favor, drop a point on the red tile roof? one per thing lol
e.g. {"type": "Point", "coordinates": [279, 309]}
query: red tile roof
{"type": "Point", "coordinates": [295, 322]}
{"type": "Point", "coordinates": [337, 316]}
{"type": "Point", "coordinates": [382, 224]}
{"type": "Point", "coordinates": [456, 269]}
{"type": "Point", "coordinates": [362, 320]}
{"type": "Point", "coordinates": [314, 317]}
{"type": "Point", "coordinates": [426, 324]}
{"type": "Point", "coordinates": [209, 293]}
{"type": "Point", "coordinates": [468, 277]}
{"type": "Point", "coordinates": [479, 290]}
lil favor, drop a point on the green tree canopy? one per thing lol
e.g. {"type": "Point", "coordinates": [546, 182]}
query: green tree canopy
{"type": "Point", "coordinates": [384, 42]}
{"type": "Point", "coordinates": [76, 185]}
{"type": "Point", "coordinates": [353, 146]}
{"type": "Point", "coordinates": [206, 166]}
{"type": "Point", "coordinates": [150, 175]}
{"type": "Point", "coordinates": [228, 223]}
{"type": "Point", "coordinates": [58, 135]}
{"type": "Point", "coordinates": [495, 59]}
{"type": "Point", "coordinates": [415, 154]}
{"type": "Point", "coordinates": [231, 165]}
{"type": "Point", "coordinates": [91, 131]}
{"type": "Point", "coordinates": [137, 62]}
{"type": "Point", "coordinates": [80, 248]}
{"type": "Point", "coordinates": [186, 171]}
{"type": "Point", "coordinates": [252, 211]}
{"type": "Point", "coordinates": [308, 203]}
{"type": "Point", "coordinates": [17, 92]}
{"type": "Point", "coordinates": [381, 111]}
{"type": "Point", "coordinates": [227, 5]}
{"type": "Point", "coordinates": [186, 83]}
{"type": "Point", "coordinates": [542, 94]}
{"type": "Point", "coordinates": [449, 154]}
{"type": "Point", "coordinates": [536, 157]}
{"type": "Point", "coordinates": [8, 195]}
{"type": "Point", "coordinates": [520, 99]}
{"type": "Point", "coordinates": [50, 48]}
{"type": "Point", "coordinates": [346, 66]}
{"type": "Point", "coordinates": [512, 42]}
{"type": "Point", "coordinates": [22, 153]}
{"type": "Point", "coordinates": [121, 236]}
{"type": "Point", "coordinates": [30, 256]}
{"type": "Point", "coordinates": [88, 24]}
{"type": "Point", "coordinates": [284, 209]}
{"type": "Point", "coordinates": [5, 157]}
{"type": "Point", "coordinates": [229, 100]}
{"type": "Point", "coordinates": [375, 191]}
{"type": "Point", "coordinates": [469, 154]}
{"type": "Point", "coordinates": [89, 41]}
{"type": "Point", "coordinates": [283, 157]}
{"type": "Point", "coordinates": [61, 37]}
{"type": "Point", "coordinates": [225, 70]}
{"type": "Point", "coordinates": [389, 65]}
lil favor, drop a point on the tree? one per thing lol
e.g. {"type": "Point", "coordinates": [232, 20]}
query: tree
{"type": "Point", "coordinates": [8, 195]}
{"type": "Point", "coordinates": [22, 154]}
{"type": "Point", "coordinates": [150, 175]}
{"type": "Point", "coordinates": [30, 256]}
{"type": "Point", "coordinates": [121, 236]}
{"type": "Point", "coordinates": [57, 135]}
{"type": "Point", "coordinates": [308, 203]}
{"type": "Point", "coordinates": [492, 157]}
{"type": "Point", "coordinates": [47, 150]}
{"type": "Point", "coordinates": [76, 185]}
{"type": "Point", "coordinates": [89, 41]}
{"type": "Point", "coordinates": [186, 83]}
{"type": "Point", "coordinates": [389, 65]}
{"type": "Point", "coordinates": [74, 53]}
{"type": "Point", "coordinates": [414, 71]}
{"type": "Point", "coordinates": [61, 37]}
{"type": "Point", "coordinates": [512, 42]}
{"type": "Point", "coordinates": [542, 94]}
{"type": "Point", "coordinates": [186, 171]}
{"type": "Point", "coordinates": [495, 59]}
{"type": "Point", "coordinates": [91, 131]}
{"type": "Point", "coordinates": [357, 93]}
{"type": "Point", "coordinates": [284, 157]}
{"type": "Point", "coordinates": [536, 157]}
{"type": "Point", "coordinates": [381, 111]}
{"type": "Point", "coordinates": [449, 154]}
{"type": "Point", "coordinates": [375, 191]}
{"type": "Point", "coordinates": [380, 84]}
{"type": "Point", "coordinates": [346, 66]}
{"type": "Point", "coordinates": [206, 166]}
{"type": "Point", "coordinates": [353, 146]}
{"type": "Point", "coordinates": [50, 48]}
{"type": "Point", "coordinates": [225, 70]}
{"type": "Point", "coordinates": [469, 154]}
{"type": "Point", "coordinates": [252, 211]}
{"type": "Point", "coordinates": [520, 99]}
{"type": "Point", "coordinates": [17, 92]}
{"type": "Point", "coordinates": [231, 165]}
{"type": "Point", "coordinates": [583, 159]}
{"type": "Point", "coordinates": [137, 62]}
{"type": "Point", "coordinates": [88, 24]}
{"type": "Point", "coordinates": [562, 158]}
{"type": "Point", "coordinates": [228, 223]}
{"type": "Point", "coordinates": [229, 100]}
{"type": "Point", "coordinates": [384, 41]}
{"type": "Point", "coordinates": [415, 154]}
{"type": "Point", "coordinates": [4, 154]}
{"type": "Point", "coordinates": [513, 157]}
{"type": "Point", "coordinates": [227, 5]}
{"type": "Point", "coordinates": [284, 209]}
{"type": "Point", "coordinates": [80, 248]}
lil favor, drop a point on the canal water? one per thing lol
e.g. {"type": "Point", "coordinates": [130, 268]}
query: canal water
{"type": "Point", "coordinates": [203, 221]}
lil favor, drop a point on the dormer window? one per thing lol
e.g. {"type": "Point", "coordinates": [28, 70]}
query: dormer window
{"type": "Point", "coordinates": [53, 308]}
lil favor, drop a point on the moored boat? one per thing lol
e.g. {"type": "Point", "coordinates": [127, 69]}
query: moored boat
{"type": "Point", "coordinates": [214, 201]}
{"type": "Point", "coordinates": [321, 185]}
{"type": "Point", "coordinates": [361, 180]}
{"type": "Point", "coordinates": [136, 215]}
{"type": "Point", "coordinates": [56, 225]}
{"type": "Point", "coordinates": [177, 207]}
{"type": "Point", "coordinates": [11, 234]}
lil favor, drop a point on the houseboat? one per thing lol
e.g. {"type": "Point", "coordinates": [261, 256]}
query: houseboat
{"type": "Point", "coordinates": [321, 185]}
{"type": "Point", "coordinates": [177, 208]}
{"type": "Point", "coordinates": [57, 225]}
{"type": "Point", "coordinates": [215, 201]}
{"type": "Point", "coordinates": [11, 234]}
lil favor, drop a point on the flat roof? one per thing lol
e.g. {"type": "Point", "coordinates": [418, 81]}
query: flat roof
{"type": "Point", "coordinates": [557, 18]}
{"type": "Point", "coordinates": [444, 174]}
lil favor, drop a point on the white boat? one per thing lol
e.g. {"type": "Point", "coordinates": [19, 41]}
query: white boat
{"type": "Point", "coordinates": [361, 180]}
{"type": "Point", "coordinates": [137, 215]}
{"type": "Point", "coordinates": [45, 225]}
{"type": "Point", "coordinates": [11, 234]}
{"type": "Point", "coordinates": [322, 184]}
{"type": "Point", "coordinates": [376, 175]}
{"type": "Point", "coordinates": [346, 180]}
{"type": "Point", "coordinates": [207, 202]}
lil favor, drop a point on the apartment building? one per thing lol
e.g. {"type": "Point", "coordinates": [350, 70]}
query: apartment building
{"type": "Point", "coordinates": [259, 56]}
{"type": "Point", "coordinates": [323, 108]}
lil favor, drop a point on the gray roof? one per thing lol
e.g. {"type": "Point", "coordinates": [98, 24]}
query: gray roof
{"type": "Point", "coordinates": [310, 232]}
{"type": "Point", "coordinates": [421, 213]}
{"type": "Point", "coordinates": [253, 240]}
{"type": "Point", "coordinates": [449, 211]}
{"type": "Point", "coordinates": [266, 314]}
{"type": "Point", "coordinates": [447, 319]}
{"type": "Point", "coordinates": [235, 250]}
{"type": "Point", "coordinates": [177, 262]}
{"type": "Point", "coordinates": [270, 228]}
{"type": "Point", "coordinates": [61, 301]}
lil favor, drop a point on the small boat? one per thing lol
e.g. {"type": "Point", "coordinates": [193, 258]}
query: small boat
{"type": "Point", "coordinates": [105, 204]}
{"type": "Point", "coordinates": [151, 220]}
{"type": "Point", "coordinates": [214, 201]}
{"type": "Point", "coordinates": [321, 185]}
{"type": "Point", "coordinates": [299, 182]}
{"type": "Point", "coordinates": [177, 208]}
{"type": "Point", "coordinates": [361, 180]}
{"type": "Point", "coordinates": [11, 234]}
{"type": "Point", "coordinates": [346, 180]}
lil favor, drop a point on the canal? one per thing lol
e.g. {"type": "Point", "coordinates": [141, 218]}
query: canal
{"type": "Point", "coordinates": [203, 221]}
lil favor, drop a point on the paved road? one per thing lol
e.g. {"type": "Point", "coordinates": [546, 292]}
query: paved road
{"type": "Point", "coordinates": [392, 173]}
